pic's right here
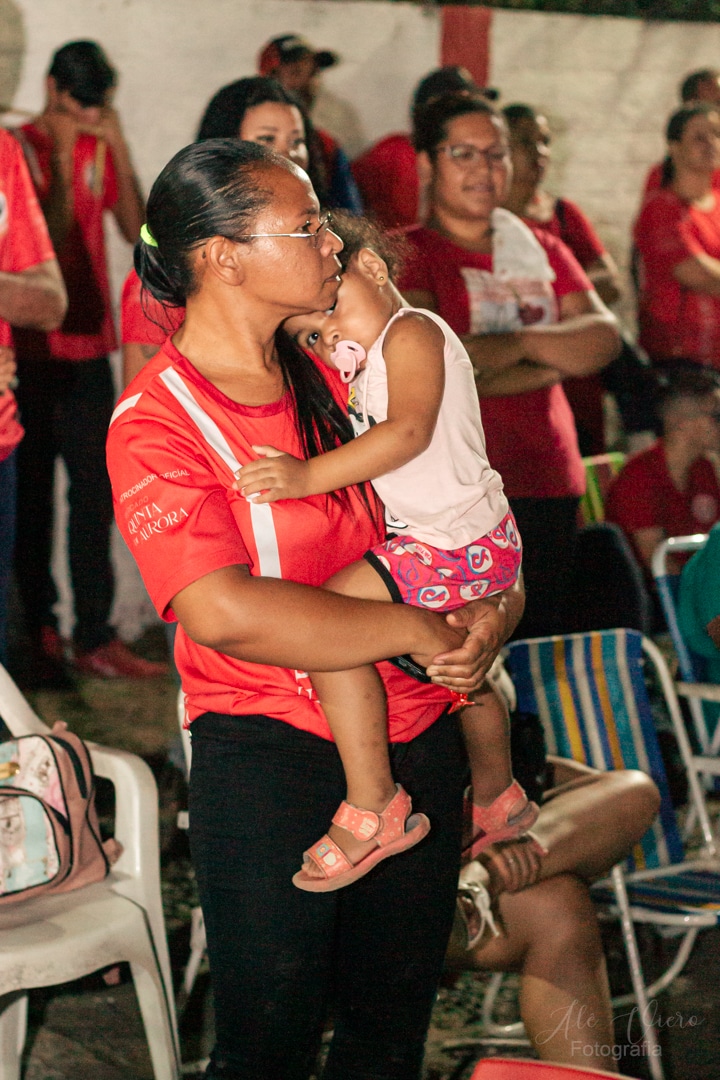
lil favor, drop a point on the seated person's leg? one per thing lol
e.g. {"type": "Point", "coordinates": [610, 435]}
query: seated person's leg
{"type": "Point", "coordinates": [588, 822]}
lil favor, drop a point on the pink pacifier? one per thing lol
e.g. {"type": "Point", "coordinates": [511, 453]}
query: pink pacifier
{"type": "Point", "coordinates": [347, 356]}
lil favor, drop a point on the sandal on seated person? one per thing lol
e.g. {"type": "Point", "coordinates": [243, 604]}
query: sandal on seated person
{"type": "Point", "coordinates": [394, 830]}
{"type": "Point", "coordinates": [474, 908]}
{"type": "Point", "coordinates": [507, 818]}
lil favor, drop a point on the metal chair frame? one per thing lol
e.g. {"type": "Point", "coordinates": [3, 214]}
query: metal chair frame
{"type": "Point", "coordinates": [589, 692]}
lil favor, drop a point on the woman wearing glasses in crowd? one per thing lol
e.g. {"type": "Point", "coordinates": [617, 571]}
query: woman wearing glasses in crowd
{"type": "Point", "coordinates": [528, 316]}
{"type": "Point", "coordinates": [234, 235]}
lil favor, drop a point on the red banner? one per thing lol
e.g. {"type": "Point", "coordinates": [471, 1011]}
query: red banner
{"type": "Point", "coordinates": [466, 40]}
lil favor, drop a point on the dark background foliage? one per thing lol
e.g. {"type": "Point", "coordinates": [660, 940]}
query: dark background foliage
{"type": "Point", "coordinates": [680, 10]}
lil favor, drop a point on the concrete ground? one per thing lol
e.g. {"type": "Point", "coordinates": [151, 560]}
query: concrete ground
{"type": "Point", "coordinates": [92, 1031]}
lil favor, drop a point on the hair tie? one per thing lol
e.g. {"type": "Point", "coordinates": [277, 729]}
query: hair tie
{"type": "Point", "coordinates": [147, 236]}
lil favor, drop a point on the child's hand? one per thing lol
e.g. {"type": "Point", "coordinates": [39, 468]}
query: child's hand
{"type": "Point", "coordinates": [275, 476]}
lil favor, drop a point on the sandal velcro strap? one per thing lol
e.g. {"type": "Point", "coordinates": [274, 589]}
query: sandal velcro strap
{"type": "Point", "coordinates": [496, 823]}
{"type": "Point", "coordinates": [329, 857]}
{"type": "Point", "coordinates": [394, 830]}
{"type": "Point", "coordinates": [363, 824]}
{"type": "Point", "coordinates": [497, 815]}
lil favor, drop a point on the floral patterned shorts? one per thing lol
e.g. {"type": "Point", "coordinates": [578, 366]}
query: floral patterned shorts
{"type": "Point", "coordinates": [429, 577]}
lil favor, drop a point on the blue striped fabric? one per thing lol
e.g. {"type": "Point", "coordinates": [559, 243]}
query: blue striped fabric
{"type": "Point", "coordinates": [688, 890]}
{"type": "Point", "coordinates": [590, 694]}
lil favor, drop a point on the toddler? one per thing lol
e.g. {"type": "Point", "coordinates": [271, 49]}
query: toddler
{"type": "Point", "coordinates": [452, 538]}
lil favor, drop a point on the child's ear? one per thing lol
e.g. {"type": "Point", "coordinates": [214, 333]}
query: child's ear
{"type": "Point", "coordinates": [370, 264]}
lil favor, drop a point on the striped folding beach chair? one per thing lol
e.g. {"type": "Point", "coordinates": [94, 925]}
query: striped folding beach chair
{"type": "Point", "coordinates": [600, 471]}
{"type": "Point", "coordinates": [590, 693]}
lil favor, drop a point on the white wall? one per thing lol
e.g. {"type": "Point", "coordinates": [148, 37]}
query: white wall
{"type": "Point", "coordinates": [606, 84]}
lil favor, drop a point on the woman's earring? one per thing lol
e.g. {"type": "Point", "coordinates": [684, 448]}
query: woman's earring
{"type": "Point", "coordinates": [381, 279]}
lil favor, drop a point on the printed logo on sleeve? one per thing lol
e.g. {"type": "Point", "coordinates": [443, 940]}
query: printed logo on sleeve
{"type": "Point", "coordinates": [151, 519]}
{"type": "Point", "coordinates": [172, 474]}
{"type": "Point", "coordinates": [138, 487]}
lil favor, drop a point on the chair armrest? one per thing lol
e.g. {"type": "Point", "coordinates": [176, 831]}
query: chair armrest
{"type": "Point", "coordinates": [701, 691]}
{"type": "Point", "coordinates": [16, 711]}
{"type": "Point", "coordinates": [136, 814]}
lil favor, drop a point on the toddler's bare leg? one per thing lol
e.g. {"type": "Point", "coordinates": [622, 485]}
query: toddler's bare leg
{"type": "Point", "coordinates": [500, 808]}
{"type": "Point", "coordinates": [354, 703]}
{"type": "Point", "coordinates": [486, 730]}
{"type": "Point", "coordinates": [356, 709]}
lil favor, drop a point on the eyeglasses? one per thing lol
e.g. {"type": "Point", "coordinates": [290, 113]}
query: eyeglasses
{"type": "Point", "coordinates": [465, 155]}
{"type": "Point", "coordinates": [316, 236]}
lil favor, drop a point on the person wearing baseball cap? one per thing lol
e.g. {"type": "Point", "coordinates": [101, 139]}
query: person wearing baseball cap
{"type": "Point", "coordinates": [294, 63]}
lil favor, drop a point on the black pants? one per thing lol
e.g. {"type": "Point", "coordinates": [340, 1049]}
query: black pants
{"type": "Point", "coordinates": [548, 528]}
{"type": "Point", "coordinates": [281, 960]}
{"type": "Point", "coordinates": [8, 489]}
{"type": "Point", "coordinates": [65, 408]}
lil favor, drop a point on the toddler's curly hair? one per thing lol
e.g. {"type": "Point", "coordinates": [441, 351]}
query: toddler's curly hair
{"type": "Point", "coordinates": [360, 232]}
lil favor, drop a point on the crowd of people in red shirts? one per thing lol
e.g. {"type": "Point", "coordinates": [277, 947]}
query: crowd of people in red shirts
{"type": "Point", "coordinates": [540, 332]}
{"type": "Point", "coordinates": [524, 281]}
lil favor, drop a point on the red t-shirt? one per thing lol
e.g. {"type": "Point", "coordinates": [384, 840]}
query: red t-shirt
{"type": "Point", "coordinates": [387, 177]}
{"type": "Point", "coordinates": [144, 321]}
{"type": "Point", "coordinates": [531, 437]}
{"type": "Point", "coordinates": [181, 518]}
{"type": "Point", "coordinates": [569, 224]}
{"type": "Point", "coordinates": [676, 322]}
{"type": "Point", "coordinates": [89, 160]}
{"type": "Point", "coordinates": [653, 180]}
{"type": "Point", "coordinates": [644, 497]}
{"type": "Point", "coordinates": [585, 394]}
{"type": "Point", "coordinates": [24, 242]}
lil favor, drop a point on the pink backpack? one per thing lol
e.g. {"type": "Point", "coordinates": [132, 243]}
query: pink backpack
{"type": "Point", "coordinates": [49, 831]}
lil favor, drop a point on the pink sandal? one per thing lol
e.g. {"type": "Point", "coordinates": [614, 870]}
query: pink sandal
{"type": "Point", "coordinates": [493, 824]}
{"type": "Point", "coordinates": [394, 830]}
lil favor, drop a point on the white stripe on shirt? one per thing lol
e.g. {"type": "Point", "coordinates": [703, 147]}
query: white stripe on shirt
{"type": "Point", "coordinates": [124, 406]}
{"type": "Point", "coordinates": [261, 517]}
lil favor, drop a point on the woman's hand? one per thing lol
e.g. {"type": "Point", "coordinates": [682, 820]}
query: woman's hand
{"type": "Point", "coordinates": [275, 475]}
{"type": "Point", "coordinates": [512, 866]}
{"type": "Point", "coordinates": [489, 623]}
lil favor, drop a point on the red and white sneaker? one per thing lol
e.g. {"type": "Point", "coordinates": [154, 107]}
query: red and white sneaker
{"type": "Point", "coordinates": [116, 661]}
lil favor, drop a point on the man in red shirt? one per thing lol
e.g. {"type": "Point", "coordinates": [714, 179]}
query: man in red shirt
{"type": "Point", "coordinates": [81, 167]}
{"type": "Point", "coordinates": [31, 294]}
{"type": "Point", "coordinates": [672, 489]}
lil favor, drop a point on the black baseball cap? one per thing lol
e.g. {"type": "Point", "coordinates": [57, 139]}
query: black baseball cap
{"type": "Point", "coordinates": [289, 47]}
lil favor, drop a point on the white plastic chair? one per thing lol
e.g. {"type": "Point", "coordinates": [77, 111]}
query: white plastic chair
{"type": "Point", "coordinates": [56, 939]}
